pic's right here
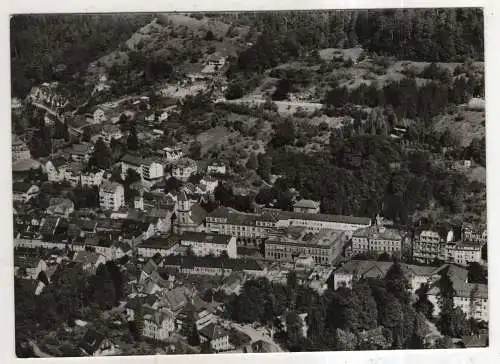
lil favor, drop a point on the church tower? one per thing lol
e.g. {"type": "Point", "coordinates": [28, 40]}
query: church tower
{"type": "Point", "coordinates": [182, 214]}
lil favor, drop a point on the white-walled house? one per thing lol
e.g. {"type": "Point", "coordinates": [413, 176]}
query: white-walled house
{"type": "Point", "coordinates": [111, 196]}
{"type": "Point", "coordinates": [203, 244]}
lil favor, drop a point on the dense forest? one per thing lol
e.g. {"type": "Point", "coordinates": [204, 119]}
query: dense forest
{"type": "Point", "coordinates": [40, 43]}
{"type": "Point", "coordinates": [439, 35]}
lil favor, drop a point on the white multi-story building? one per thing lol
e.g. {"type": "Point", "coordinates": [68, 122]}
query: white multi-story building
{"type": "Point", "coordinates": [378, 239]}
{"type": "Point", "coordinates": [206, 243]}
{"type": "Point", "coordinates": [111, 196]}
{"type": "Point", "coordinates": [463, 253]}
{"type": "Point", "coordinates": [428, 246]}
{"type": "Point", "coordinates": [308, 206]}
{"type": "Point", "coordinates": [149, 169]}
{"type": "Point", "coordinates": [92, 178]}
{"type": "Point", "coordinates": [471, 298]}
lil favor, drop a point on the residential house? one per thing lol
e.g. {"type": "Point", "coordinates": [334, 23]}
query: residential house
{"type": "Point", "coordinates": [307, 206]}
{"type": "Point", "coordinates": [158, 324]}
{"type": "Point", "coordinates": [111, 196]}
{"type": "Point", "coordinates": [463, 252]}
{"type": "Point", "coordinates": [96, 344]}
{"type": "Point", "coordinates": [110, 132]}
{"type": "Point", "coordinates": [99, 116]}
{"type": "Point", "coordinates": [354, 270]}
{"type": "Point", "coordinates": [28, 266]}
{"type": "Point", "coordinates": [213, 266]}
{"type": "Point", "coordinates": [173, 153]}
{"type": "Point", "coordinates": [56, 169]}
{"type": "Point", "coordinates": [162, 244]}
{"type": "Point", "coordinates": [120, 249]}
{"type": "Point", "coordinates": [471, 298]}
{"type": "Point", "coordinates": [81, 152]}
{"type": "Point", "coordinates": [23, 191]}
{"type": "Point", "coordinates": [149, 169]}
{"type": "Point", "coordinates": [184, 168]}
{"type": "Point", "coordinates": [19, 149]}
{"type": "Point", "coordinates": [216, 169]}
{"type": "Point", "coordinates": [89, 261]}
{"type": "Point", "coordinates": [216, 336]}
{"type": "Point", "coordinates": [209, 244]}
{"type": "Point", "coordinates": [92, 178]}
{"type": "Point", "coordinates": [59, 206]}
{"type": "Point", "coordinates": [209, 184]}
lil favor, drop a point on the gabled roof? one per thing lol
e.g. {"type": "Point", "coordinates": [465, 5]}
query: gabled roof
{"type": "Point", "coordinates": [213, 332]}
{"type": "Point", "coordinates": [85, 257]}
{"type": "Point", "coordinates": [91, 341]}
{"type": "Point", "coordinates": [309, 204]}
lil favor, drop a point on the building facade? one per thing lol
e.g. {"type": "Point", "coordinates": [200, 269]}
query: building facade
{"type": "Point", "coordinates": [111, 196]}
{"type": "Point", "coordinates": [203, 244]}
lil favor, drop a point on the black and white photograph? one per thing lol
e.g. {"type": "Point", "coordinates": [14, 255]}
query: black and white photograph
{"type": "Point", "coordinates": [248, 181]}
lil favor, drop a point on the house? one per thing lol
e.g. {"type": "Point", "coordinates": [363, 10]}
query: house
{"type": "Point", "coordinates": [209, 185]}
{"type": "Point", "coordinates": [99, 116]}
{"type": "Point", "coordinates": [149, 169]}
{"type": "Point", "coordinates": [463, 253]}
{"type": "Point", "coordinates": [357, 269]}
{"type": "Point", "coordinates": [209, 244]}
{"type": "Point", "coordinates": [20, 150]}
{"type": "Point", "coordinates": [23, 191]}
{"type": "Point", "coordinates": [89, 261]}
{"type": "Point", "coordinates": [110, 132]}
{"type": "Point", "coordinates": [28, 266]}
{"type": "Point", "coordinates": [56, 169]}
{"type": "Point", "coordinates": [96, 344]}
{"type": "Point", "coordinates": [158, 324]}
{"type": "Point", "coordinates": [173, 153]}
{"type": "Point", "coordinates": [92, 178]}
{"type": "Point", "coordinates": [471, 298]}
{"type": "Point", "coordinates": [162, 244]}
{"type": "Point", "coordinates": [217, 336]}
{"type": "Point", "coordinates": [111, 196]}
{"type": "Point", "coordinates": [184, 168]}
{"type": "Point", "coordinates": [233, 283]}
{"type": "Point", "coordinates": [213, 266]}
{"type": "Point", "coordinates": [307, 206]}
{"type": "Point", "coordinates": [120, 249]}
{"type": "Point", "coordinates": [203, 312]}
{"type": "Point", "coordinates": [216, 168]}
{"type": "Point", "coordinates": [59, 206]}
{"type": "Point", "coordinates": [81, 152]}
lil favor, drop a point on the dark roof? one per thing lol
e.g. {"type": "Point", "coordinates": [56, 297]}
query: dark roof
{"type": "Point", "coordinates": [132, 159]}
{"type": "Point", "coordinates": [213, 332]}
{"type": "Point", "coordinates": [162, 241]}
{"type": "Point", "coordinates": [190, 262]}
{"type": "Point", "coordinates": [91, 341]}
{"type": "Point", "coordinates": [21, 186]}
{"type": "Point", "coordinates": [206, 237]}
{"type": "Point", "coordinates": [198, 213]}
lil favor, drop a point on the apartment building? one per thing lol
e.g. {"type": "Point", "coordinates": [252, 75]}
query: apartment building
{"type": "Point", "coordinates": [184, 168]}
{"type": "Point", "coordinates": [428, 246]}
{"type": "Point", "coordinates": [203, 244]}
{"type": "Point", "coordinates": [463, 252]}
{"type": "Point", "coordinates": [149, 169]}
{"type": "Point", "coordinates": [111, 196]}
{"type": "Point", "coordinates": [378, 239]}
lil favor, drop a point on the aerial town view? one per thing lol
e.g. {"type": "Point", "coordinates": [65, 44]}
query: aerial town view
{"type": "Point", "coordinates": [248, 182]}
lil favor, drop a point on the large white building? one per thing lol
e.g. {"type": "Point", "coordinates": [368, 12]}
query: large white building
{"type": "Point", "coordinates": [471, 298]}
{"type": "Point", "coordinates": [210, 244]}
{"type": "Point", "coordinates": [111, 196]}
{"type": "Point", "coordinates": [149, 169]}
{"type": "Point", "coordinates": [428, 246]}
{"type": "Point", "coordinates": [463, 252]}
{"type": "Point", "coordinates": [253, 227]}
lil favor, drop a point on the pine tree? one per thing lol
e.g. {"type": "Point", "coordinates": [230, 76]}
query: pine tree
{"type": "Point", "coordinates": [100, 158]}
